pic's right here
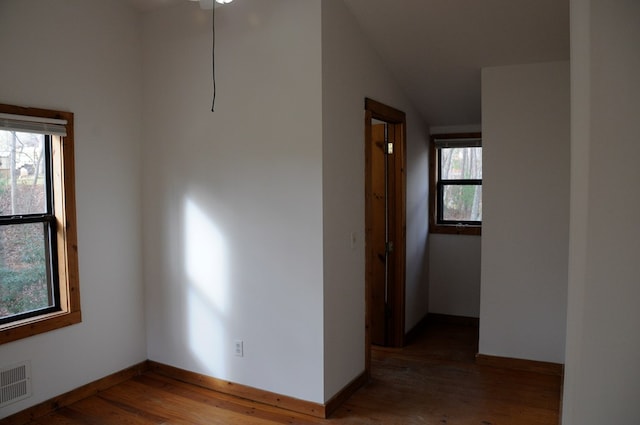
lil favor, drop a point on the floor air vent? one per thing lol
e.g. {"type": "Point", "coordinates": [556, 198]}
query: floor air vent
{"type": "Point", "coordinates": [15, 383]}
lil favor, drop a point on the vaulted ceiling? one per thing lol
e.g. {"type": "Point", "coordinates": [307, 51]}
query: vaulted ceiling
{"type": "Point", "coordinates": [436, 48]}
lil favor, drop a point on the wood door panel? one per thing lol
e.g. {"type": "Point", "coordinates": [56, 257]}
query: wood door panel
{"type": "Point", "coordinates": [378, 238]}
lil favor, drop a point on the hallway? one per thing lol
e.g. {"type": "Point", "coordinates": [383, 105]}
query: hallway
{"type": "Point", "coordinates": [434, 380]}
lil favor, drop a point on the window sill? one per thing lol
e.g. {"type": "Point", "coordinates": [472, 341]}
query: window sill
{"type": "Point", "coordinates": [456, 229]}
{"type": "Point", "coordinates": [36, 325]}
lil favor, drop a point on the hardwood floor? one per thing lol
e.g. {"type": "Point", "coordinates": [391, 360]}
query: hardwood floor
{"type": "Point", "coordinates": [433, 380]}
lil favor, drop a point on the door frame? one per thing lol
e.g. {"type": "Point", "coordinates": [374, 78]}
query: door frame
{"type": "Point", "coordinates": [396, 118]}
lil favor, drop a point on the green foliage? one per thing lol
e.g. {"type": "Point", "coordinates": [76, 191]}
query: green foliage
{"type": "Point", "coordinates": [23, 290]}
{"type": "Point", "coordinates": [33, 253]}
{"type": "Point", "coordinates": [459, 202]}
{"type": "Point", "coordinates": [23, 271]}
{"type": "Point", "coordinates": [467, 196]}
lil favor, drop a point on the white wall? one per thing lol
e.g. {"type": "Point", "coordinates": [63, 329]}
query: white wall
{"type": "Point", "coordinates": [525, 116]}
{"type": "Point", "coordinates": [602, 375]}
{"type": "Point", "coordinates": [84, 56]}
{"type": "Point", "coordinates": [351, 71]}
{"type": "Point", "coordinates": [233, 199]}
{"type": "Point", "coordinates": [454, 274]}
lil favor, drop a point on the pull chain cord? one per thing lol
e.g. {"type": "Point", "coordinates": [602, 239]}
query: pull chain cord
{"type": "Point", "coordinates": [213, 54]}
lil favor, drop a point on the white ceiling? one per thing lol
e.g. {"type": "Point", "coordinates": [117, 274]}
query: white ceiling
{"type": "Point", "coordinates": [436, 48]}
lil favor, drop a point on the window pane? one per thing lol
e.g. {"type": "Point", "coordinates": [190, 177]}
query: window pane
{"type": "Point", "coordinates": [24, 278]}
{"type": "Point", "coordinates": [22, 177]}
{"type": "Point", "coordinates": [462, 203]}
{"type": "Point", "coordinates": [461, 163]}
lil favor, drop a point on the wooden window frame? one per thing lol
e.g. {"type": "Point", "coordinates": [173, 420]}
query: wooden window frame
{"type": "Point", "coordinates": [64, 209]}
{"type": "Point", "coordinates": [434, 195]}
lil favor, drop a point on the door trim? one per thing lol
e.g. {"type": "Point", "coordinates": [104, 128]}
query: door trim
{"type": "Point", "coordinates": [396, 118]}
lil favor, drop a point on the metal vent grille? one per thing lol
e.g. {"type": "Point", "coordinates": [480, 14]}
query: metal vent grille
{"type": "Point", "coordinates": [15, 383]}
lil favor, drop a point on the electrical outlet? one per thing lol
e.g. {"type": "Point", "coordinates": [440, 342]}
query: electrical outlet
{"type": "Point", "coordinates": [238, 348]}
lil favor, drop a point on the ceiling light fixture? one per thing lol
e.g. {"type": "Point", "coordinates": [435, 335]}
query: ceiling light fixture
{"type": "Point", "coordinates": [209, 4]}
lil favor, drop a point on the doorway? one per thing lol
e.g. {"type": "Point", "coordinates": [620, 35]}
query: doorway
{"type": "Point", "coordinates": [385, 224]}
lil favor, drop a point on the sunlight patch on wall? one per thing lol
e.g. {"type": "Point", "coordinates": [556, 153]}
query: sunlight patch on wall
{"type": "Point", "coordinates": [205, 256]}
{"type": "Point", "coordinates": [206, 267]}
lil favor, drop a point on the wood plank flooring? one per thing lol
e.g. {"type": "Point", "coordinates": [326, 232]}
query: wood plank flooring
{"type": "Point", "coordinates": [433, 380]}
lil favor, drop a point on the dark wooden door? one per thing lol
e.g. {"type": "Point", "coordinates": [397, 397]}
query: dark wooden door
{"type": "Point", "coordinates": [385, 217]}
{"type": "Point", "coordinates": [379, 282]}
{"type": "Point", "coordinates": [383, 234]}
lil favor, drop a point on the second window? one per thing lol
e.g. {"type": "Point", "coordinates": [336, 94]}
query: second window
{"type": "Point", "coordinates": [457, 183]}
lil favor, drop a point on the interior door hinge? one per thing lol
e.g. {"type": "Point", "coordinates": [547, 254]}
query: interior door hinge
{"type": "Point", "coordinates": [389, 246]}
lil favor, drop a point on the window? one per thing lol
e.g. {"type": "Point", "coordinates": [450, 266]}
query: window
{"type": "Point", "coordinates": [456, 184]}
{"type": "Point", "coordinates": [38, 253]}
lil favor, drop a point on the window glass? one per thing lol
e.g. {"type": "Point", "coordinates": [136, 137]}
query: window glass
{"type": "Point", "coordinates": [461, 163]}
{"type": "Point", "coordinates": [462, 203]}
{"type": "Point", "coordinates": [25, 277]}
{"type": "Point", "coordinates": [22, 173]}
{"type": "Point", "coordinates": [26, 263]}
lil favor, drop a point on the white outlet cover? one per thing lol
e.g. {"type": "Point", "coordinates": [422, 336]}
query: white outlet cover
{"type": "Point", "coordinates": [239, 348]}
